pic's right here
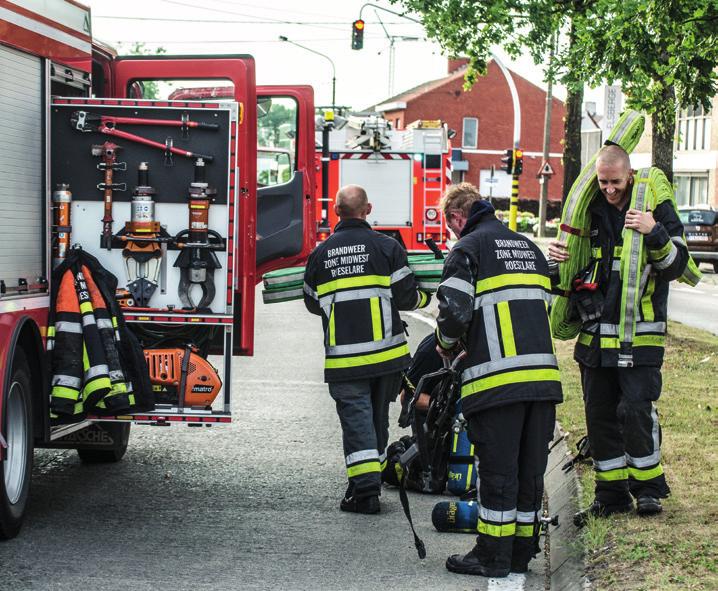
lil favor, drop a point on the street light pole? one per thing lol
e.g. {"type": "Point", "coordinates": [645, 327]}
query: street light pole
{"type": "Point", "coordinates": [514, 203]}
{"type": "Point", "coordinates": [334, 70]}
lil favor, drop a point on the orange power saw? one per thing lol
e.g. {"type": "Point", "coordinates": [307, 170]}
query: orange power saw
{"type": "Point", "coordinates": [183, 377]}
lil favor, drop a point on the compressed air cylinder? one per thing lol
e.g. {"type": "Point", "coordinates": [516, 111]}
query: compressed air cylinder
{"type": "Point", "coordinates": [61, 204]}
{"type": "Point", "coordinates": [462, 468]}
{"type": "Point", "coordinates": [456, 516]}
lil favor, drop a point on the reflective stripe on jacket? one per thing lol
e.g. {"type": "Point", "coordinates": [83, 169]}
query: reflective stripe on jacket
{"type": "Point", "coordinates": [494, 297]}
{"type": "Point", "coordinates": [357, 281]}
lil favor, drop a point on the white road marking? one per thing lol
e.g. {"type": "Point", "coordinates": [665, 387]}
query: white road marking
{"type": "Point", "coordinates": [422, 318]}
{"type": "Point", "coordinates": [514, 582]}
{"type": "Point", "coordinates": [283, 383]}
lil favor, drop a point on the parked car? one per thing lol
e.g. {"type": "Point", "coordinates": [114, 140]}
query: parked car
{"type": "Point", "coordinates": [701, 228]}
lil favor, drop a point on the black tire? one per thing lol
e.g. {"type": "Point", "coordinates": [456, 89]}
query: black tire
{"type": "Point", "coordinates": [120, 433]}
{"type": "Point", "coordinates": [715, 266]}
{"type": "Point", "coordinates": [16, 469]}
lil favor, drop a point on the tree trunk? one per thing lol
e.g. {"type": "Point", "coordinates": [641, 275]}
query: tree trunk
{"type": "Point", "coordinates": [572, 139]}
{"type": "Point", "coordinates": [664, 130]}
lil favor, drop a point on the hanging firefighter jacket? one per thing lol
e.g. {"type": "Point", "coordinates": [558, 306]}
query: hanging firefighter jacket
{"type": "Point", "coordinates": [358, 280]}
{"type": "Point", "coordinates": [96, 363]}
{"type": "Point", "coordinates": [633, 273]}
{"type": "Point", "coordinates": [499, 309]}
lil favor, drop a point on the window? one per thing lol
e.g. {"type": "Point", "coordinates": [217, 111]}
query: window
{"type": "Point", "coordinates": [693, 129]}
{"type": "Point", "coordinates": [181, 89]}
{"type": "Point", "coordinates": [591, 142]}
{"type": "Point", "coordinates": [691, 189]}
{"type": "Point", "coordinates": [471, 133]}
{"type": "Point", "coordinates": [276, 139]}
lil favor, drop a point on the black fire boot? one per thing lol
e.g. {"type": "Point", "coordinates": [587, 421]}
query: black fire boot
{"type": "Point", "coordinates": [524, 550]}
{"type": "Point", "coordinates": [367, 505]}
{"type": "Point", "coordinates": [646, 505]}
{"type": "Point", "coordinates": [489, 558]}
{"type": "Point", "coordinates": [597, 509]}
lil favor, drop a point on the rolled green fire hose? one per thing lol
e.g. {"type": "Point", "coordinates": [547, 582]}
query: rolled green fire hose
{"type": "Point", "coordinates": [287, 284]}
{"type": "Point", "coordinates": [576, 222]}
{"type": "Point", "coordinates": [651, 188]}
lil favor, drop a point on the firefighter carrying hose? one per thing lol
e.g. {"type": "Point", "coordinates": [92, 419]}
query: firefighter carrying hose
{"type": "Point", "coordinates": [357, 281]}
{"type": "Point", "coordinates": [621, 383]}
{"type": "Point", "coordinates": [493, 301]}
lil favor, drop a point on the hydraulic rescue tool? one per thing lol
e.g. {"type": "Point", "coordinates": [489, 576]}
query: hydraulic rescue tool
{"type": "Point", "coordinates": [108, 153]}
{"type": "Point", "coordinates": [145, 241]}
{"type": "Point", "coordinates": [197, 261]}
{"type": "Point", "coordinates": [181, 376]}
{"type": "Point", "coordinates": [61, 228]}
{"type": "Point", "coordinates": [90, 122]}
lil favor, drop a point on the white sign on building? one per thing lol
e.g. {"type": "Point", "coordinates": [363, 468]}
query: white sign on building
{"type": "Point", "coordinates": [613, 102]}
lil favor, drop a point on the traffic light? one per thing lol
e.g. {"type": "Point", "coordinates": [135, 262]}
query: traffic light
{"type": "Point", "coordinates": [518, 162]}
{"type": "Point", "coordinates": [508, 162]}
{"type": "Point", "coordinates": [358, 34]}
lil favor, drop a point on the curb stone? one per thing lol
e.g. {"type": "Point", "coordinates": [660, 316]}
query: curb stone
{"type": "Point", "coordinates": [567, 571]}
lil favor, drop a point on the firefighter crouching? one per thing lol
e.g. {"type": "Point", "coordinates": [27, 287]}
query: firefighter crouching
{"type": "Point", "coordinates": [357, 281]}
{"type": "Point", "coordinates": [493, 301]}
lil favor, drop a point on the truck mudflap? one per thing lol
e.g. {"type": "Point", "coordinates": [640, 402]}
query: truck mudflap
{"type": "Point", "coordinates": [91, 436]}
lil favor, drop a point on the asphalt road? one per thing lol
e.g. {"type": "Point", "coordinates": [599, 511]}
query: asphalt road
{"type": "Point", "coordinates": [696, 306]}
{"type": "Point", "coordinates": [249, 506]}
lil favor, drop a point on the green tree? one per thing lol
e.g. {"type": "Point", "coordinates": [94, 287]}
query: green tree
{"type": "Point", "coordinates": [664, 53]}
{"type": "Point", "coordinates": [278, 119]}
{"type": "Point", "coordinates": [150, 88]}
{"type": "Point", "coordinates": [471, 28]}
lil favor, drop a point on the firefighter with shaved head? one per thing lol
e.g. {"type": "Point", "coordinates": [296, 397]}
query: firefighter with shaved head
{"type": "Point", "coordinates": [621, 382]}
{"type": "Point", "coordinates": [357, 281]}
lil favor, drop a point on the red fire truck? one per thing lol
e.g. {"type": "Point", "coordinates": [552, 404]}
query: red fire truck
{"type": "Point", "coordinates": [405, 172]}
{"type": "Point", "coordinates": [60, 94]}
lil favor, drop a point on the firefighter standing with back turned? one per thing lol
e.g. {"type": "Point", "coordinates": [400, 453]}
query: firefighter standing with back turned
{"type": "Point", "coordinates": [618, 391]}
{"type": "Point", "coordinates": [493, 301]}
{"type": "Point", "coordinates": [357, 281]}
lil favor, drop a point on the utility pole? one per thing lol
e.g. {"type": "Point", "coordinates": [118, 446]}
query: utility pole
{"type": "Point", "coordinates": [544, 179]}
{"type": "Point", "coordinates": [392, 49]}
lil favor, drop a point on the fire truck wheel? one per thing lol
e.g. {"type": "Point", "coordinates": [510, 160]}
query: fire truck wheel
{"type": "Point", "coordinates": [120, 433]}
{"type": "Point", "coordinates": [17, 431]}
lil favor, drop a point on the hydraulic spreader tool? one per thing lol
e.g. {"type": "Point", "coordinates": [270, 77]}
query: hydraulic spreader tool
{"type": "Point", "coordinates": [197, 260]}
{"type": "Point", "coordinates": [145, 241]}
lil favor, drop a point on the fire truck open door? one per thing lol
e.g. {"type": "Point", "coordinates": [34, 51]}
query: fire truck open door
{"type": "Point", "coordinates": [288, 228]}
{"type": "Point", "coordinates": [286, 231]}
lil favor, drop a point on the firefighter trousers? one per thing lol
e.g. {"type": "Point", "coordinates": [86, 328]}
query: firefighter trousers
{"type": "Point", "coordinates": [511, 442]}
{"type": "Point", "coordinates": [623, 432]}
{"type": "Point", "coordinates": [363, 409]}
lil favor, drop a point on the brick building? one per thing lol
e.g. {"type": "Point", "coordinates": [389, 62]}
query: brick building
{"type": "Point", "coordinates": [483, 119]}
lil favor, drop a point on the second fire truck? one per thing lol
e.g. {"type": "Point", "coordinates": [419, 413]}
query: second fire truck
{"type": "Point", "coordinates": [405, 172]}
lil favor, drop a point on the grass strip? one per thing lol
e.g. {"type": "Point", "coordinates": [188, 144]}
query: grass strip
{"type": "Point", "coordinates": [676, 549]}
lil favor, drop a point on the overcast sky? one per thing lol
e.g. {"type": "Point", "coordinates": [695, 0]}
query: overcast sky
{"type": "Point", "coordinates": [254, 27]}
